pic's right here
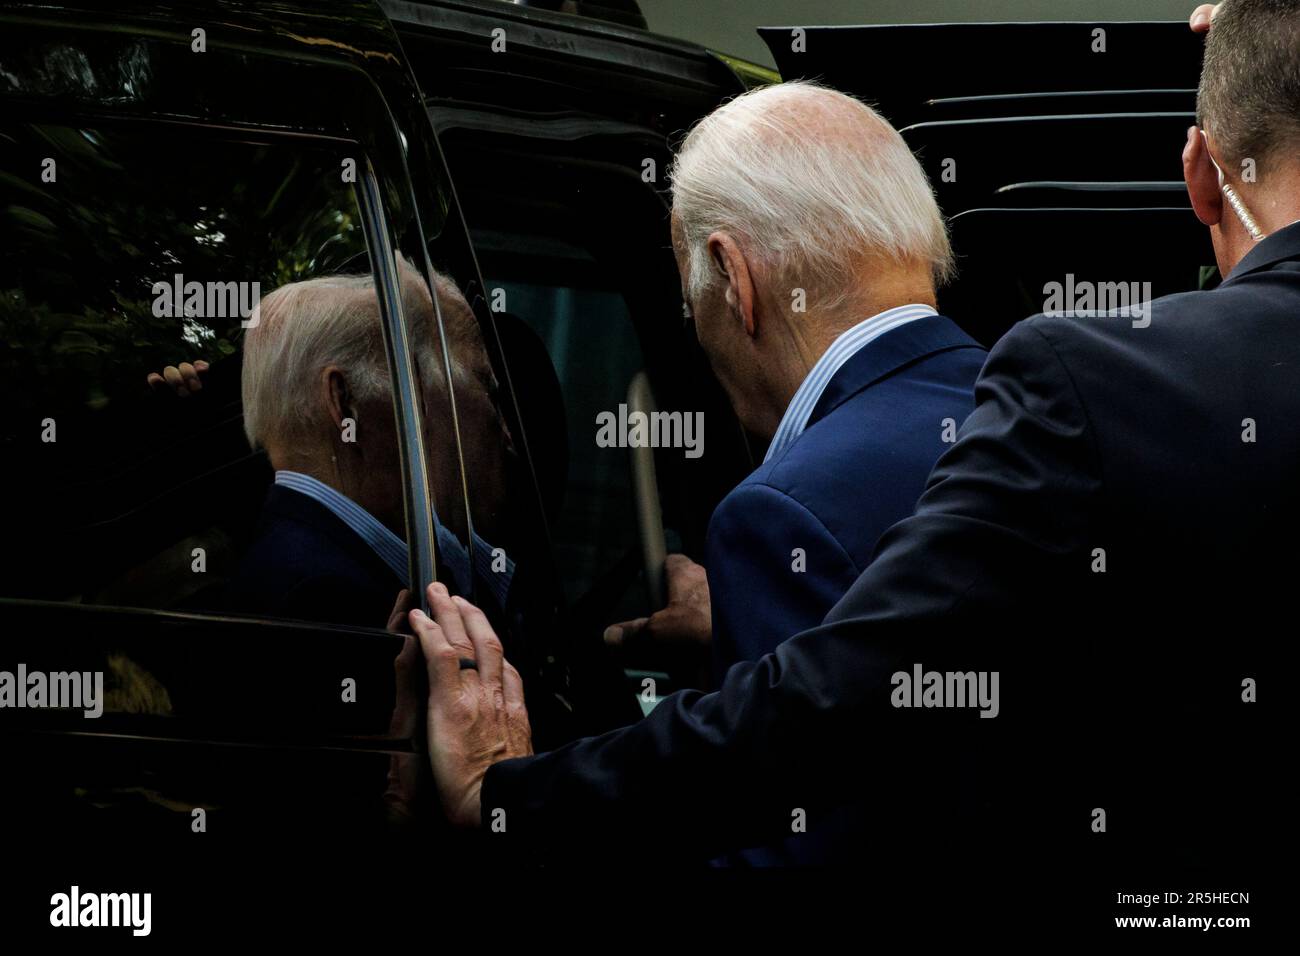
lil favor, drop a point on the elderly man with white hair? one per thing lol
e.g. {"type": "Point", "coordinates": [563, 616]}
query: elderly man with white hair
{"type": "Point", "coordinates": [317, 398]}
{"type": "Point", "coordinates": [809, 244]}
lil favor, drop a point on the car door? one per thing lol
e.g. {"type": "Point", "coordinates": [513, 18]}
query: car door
{"type": "Point", "coordinates": [160, 174]}
{"type": "Point", "coordinates": [559, 143]}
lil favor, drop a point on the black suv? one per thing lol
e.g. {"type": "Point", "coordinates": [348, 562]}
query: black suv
{"type": "Point", "coordinates": [224, 149]}
{"type": "Point", "coordinates": [516, 158]}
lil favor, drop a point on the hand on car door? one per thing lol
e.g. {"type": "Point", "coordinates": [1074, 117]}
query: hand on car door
{"type": "Point", "coordinates": [681, 633]}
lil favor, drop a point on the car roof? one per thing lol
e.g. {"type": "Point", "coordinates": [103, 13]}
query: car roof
{"type": "Point", "coordinates": [643, 61]}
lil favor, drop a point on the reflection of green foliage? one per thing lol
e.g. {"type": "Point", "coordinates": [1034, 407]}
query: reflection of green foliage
{"type": "Point", "coordinates": [133, 207]}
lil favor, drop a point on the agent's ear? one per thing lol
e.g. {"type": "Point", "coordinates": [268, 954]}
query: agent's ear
{"type": "Point", "coordinates": [1202, 178]}
{"type": "Point", "coordinates": [337, 395]}
{"type": "Point", "coordinates": [729, 260]}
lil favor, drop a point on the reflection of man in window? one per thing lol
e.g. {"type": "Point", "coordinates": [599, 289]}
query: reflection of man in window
{"type": "Point", "coordinates": [317, 398]}
{"type": "Point", "coordinates": [486, 443]}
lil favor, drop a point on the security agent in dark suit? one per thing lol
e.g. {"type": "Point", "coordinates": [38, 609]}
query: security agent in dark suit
{"type": "Point", "coordinates": [1112, 536]}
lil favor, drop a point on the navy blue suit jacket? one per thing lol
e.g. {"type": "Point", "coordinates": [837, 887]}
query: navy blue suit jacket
{"type": "Point", "coordinates": [858, 467]}
{"type": "Point", "coordinates": [305, 563]}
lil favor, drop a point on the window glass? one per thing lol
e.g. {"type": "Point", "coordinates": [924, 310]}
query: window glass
{"type": "Point", "coordinates": [571, 320]}
{"type": "Point", "coordinates": [549, 291]}
{"type": "Point", "coordinates": [128, 249]}
{"type": "Point", "coordinates": [588, 336]}
{"type": "Point", "coordinates": [475, 546]}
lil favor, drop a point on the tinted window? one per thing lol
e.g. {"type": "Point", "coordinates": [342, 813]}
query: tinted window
{"type": "Point", "coordinates": [593, 350]}
{"type": "Point", "coordinates": [129, 249]}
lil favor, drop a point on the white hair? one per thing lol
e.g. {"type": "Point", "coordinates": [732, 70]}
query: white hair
{"type": "Point", "coordinates": [303, 327]}
{"type": "Point", "coordinates": [808, 180]}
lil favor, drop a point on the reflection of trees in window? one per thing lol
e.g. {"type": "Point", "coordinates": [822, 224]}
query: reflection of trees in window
{"type": "Point", "coordinates": [81, 254]}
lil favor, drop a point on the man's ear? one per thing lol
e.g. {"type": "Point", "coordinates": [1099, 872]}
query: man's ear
{"type": "Point", "coordinates": [1202, 179]}
{"type": "Point", "coordinates": [337, 395]}
{"type": "Point", "coordinates": [726, 255]}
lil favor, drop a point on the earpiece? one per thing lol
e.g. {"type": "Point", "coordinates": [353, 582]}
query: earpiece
{"type": "Point", "coordinates": [1230, 194]}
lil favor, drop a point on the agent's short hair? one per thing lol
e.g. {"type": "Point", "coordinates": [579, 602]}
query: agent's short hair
{"type": "Point", "coordinates": [1249, 98]}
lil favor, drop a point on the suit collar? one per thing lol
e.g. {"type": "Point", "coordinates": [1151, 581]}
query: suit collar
{"type": "Point", "coordinates": [361, 535]}
{"type": "Point", "coordinates": [287, 504]}
{"type": "Point", "coordinates": [388, 546]}
{"type": "Point", "coordinates": [1278, 247]}
{"type": "Point", "coordinates": [887, 354]}
{"type": "Point", "coordinates": [846, 345]}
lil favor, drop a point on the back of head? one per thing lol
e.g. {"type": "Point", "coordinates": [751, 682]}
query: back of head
{"type": "Point", "coordinates": [1249, 97]}
{"type": "Point", "coordinates": [303, 327]}
{"type": "Point", "coordinates": [811, 182]}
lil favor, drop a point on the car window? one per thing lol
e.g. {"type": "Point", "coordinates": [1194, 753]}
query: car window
{"type": "Point", "coordinates": [471, 446]}
{"type": "Point", "coordinates": [129, 248]}
{"type": "Point", "coordinates": [539, 542]}
{"type": "Point", "coordinates": [587, 335]}
{"type": "Point", "coordinates": [583, 298]}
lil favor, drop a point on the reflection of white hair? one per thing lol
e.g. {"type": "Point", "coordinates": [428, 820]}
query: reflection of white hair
{"type": "Point", "coordinates": [807, 180]}
{"type": "Point", "coordinates": [304, 327]}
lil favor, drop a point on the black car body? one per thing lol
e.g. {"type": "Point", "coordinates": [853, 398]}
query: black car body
{"type": "Point", "coordinates": [519, 152]}
{"type": "Point", "coordinates": [211, 142]}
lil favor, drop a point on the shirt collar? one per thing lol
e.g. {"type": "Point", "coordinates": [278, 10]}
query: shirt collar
{"type": "Point", "coordinates": [795, 419]}
{"type": "Point", "coordinates": [390, 548]}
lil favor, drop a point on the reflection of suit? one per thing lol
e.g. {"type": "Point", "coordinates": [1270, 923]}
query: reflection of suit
{"type": "Point", "coordinates": [1113, 533]}
{"type": "Point", "coordinates": [320, 556]}
{"type": "Point", "coordinates": [306, 563]}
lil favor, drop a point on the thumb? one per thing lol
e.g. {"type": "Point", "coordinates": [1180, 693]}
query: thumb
{"type": "Point", "coordinates": [617, 635]}
{"type": "Point", "coordinates": [1202, 16]}
{"type": "Point", "coordinates": [397, 617]}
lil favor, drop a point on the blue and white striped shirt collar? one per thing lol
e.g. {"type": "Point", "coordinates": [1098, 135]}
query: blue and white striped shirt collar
{"type": "Point", "coordinates": [392, 549]}
{"type": "Point", "coordinates": [796, 416]}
